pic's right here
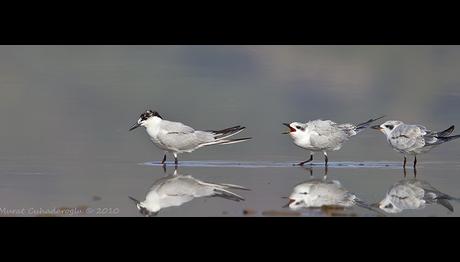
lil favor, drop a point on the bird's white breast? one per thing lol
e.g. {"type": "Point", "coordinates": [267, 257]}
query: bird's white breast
{"type": "Point", "coordinates": [302, 140]}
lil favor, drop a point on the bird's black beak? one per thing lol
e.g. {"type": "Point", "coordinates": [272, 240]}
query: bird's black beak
{"type": "Point", "coordinates": [376, 127]}
{"type": "Point", "coordinates": [290, 129]}
{"type": "Point", "coordinates": [375, 205]}
{"type": "Point", "coordinates": [136, 125]}
{"type": "Point", "coordinates": [135, 200]}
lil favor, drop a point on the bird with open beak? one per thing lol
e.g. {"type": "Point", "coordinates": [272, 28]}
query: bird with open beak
{"type": "Point", "coordinates": [323, 135]}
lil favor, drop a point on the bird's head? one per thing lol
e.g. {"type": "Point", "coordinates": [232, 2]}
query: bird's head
{"type": "Point", "coordinates": [387, 206]}
{"type": "Point", "coordinates": [146, 118]}
{"type": "Point", "coordinates": [298, 195]}
{"type": "Point", "coordinates": [388, 126]}
{"type": "Point", "coordinates": [295, 129]}
{"type": "Point", "coordinates": [142, 209]}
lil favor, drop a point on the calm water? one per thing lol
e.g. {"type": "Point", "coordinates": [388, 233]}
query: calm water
{"type": "Point", "coordinates": [66, 111]}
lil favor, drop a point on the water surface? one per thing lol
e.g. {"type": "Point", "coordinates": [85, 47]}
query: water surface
{"type": "Point", "coordinates": [66, 111]}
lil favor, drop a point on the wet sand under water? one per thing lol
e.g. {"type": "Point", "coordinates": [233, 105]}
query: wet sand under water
{"type": "Point", "coordinates": [102, 189]}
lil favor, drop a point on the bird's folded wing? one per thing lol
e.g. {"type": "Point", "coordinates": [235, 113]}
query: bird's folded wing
{"type": "Point", "coordinates": [326, 137]}
{"type": "Point", "coordinates": [176, 128]}
{"type": "Point", "coordinates": [407, 137]}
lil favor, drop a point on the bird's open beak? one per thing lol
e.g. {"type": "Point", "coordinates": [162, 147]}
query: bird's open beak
{"type": "Point", "coordinates": [376, 128]}
{"type": "Point", "coordinates": [136, 125]}
{"type": "Point", "coordinates": [290, 129]}
{"type": "Point", "coordinates": [290, 202]}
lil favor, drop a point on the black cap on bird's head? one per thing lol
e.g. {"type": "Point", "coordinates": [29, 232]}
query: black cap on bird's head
{"type": "Point", "coordinates": [144, 211]}
{"type": "Point", "coordinates": [143, 117]}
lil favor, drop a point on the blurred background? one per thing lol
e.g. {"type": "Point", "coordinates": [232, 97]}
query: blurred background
{"type": "Point", "coordinates": [66, 110]}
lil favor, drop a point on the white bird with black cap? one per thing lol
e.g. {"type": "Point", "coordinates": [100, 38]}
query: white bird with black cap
{"type": "Point", "coordinates": [177, 138]}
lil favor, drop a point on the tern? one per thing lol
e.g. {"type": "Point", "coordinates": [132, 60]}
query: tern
{"type": "Point", "coordinates": [413, 139]}
{"type": "Point", "coordinates": [177, 138]}
{"type": "Point", "coordinates": [323, 135]}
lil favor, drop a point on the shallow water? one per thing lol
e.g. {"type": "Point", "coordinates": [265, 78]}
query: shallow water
{"type": "Point", "coordinates": [66, 149]}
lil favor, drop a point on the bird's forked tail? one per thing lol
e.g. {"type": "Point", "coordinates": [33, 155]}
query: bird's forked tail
{"type": "Point", "coordinates": [221, 136]}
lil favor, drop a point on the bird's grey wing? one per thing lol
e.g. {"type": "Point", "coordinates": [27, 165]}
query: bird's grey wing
{"type": "Point", "coordinates": [424, 129]}
{"type": "Point", "coordinates": [424, 185]}
{"type": "Point", "coordinates": [406, 197]}
{"type": "Point", "coordinates": [407, 137]}
{"type": "Point", "coordinates": [326, 134]}
{"type": "Point", "coordinates": [175, 200]}
{"type": "Point", "coordinates": [161, 181]}
{"type": "Point", "coordinates": [431, 193]}
{"type": "Point", "coordinates": [175, 127]}
{"type": "Point", "coordinates": [180, 185]}
{"type": "Point", "coordinates": [189, 188]}
{"type": "Point", "coordinates": [430, 138]}
{"type": "Point", "coordinates": [349, 129]}
{"type": "Point", "coordinates": [184, 141]}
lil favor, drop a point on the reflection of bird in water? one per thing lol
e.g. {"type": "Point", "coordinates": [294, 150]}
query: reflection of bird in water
{"type": "Point", "coordinates": [323, 193]}
{"type": "Point", "coordinates": [176, 189]}
{"type": "Point", "coordinates": [177, 138]}
{"type": "Point", "coordinates": [413, 194]}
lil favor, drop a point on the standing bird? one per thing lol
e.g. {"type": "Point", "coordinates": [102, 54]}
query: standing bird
{"type": "Point", "coordinates": [413, 139]}
{"type": "Point", "coordinates": [177, 138]}
{"type": "Point", "coordinates": [323, 135]}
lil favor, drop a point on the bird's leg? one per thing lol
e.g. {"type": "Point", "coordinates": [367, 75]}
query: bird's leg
{"type": "Point", "coordinates": [164, 159]}
{"type": "Point", "coordinates": [415, 172]}
{"type": "Point", "coordinates": [325, 158]}
{"type": "Point", "coordinates": [306, 161]}
{"type": "Point", "coordinates": [175, 159]}
{"type": "Point", "coordinates": [405, 160]}
{"type": "Point", "coordinates": [404, 168]}
{"type": "Point", "coordinates": [164, 168]}
{"type": "Point", "coordinates": [415, 161]}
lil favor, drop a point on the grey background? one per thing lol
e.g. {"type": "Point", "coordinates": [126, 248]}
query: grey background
{"type": "Point", "coordinates": [66, 111]}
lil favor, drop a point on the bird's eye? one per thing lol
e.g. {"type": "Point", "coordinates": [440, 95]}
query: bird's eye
{"type": "Point", "coordinates": [298, 127]}
{"type": "Point", "coordinates": [389, 127]}
{"type": "Point", "coordinates": [388, 206]}
{"type": "Point", "coordinates": [304, 193]}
